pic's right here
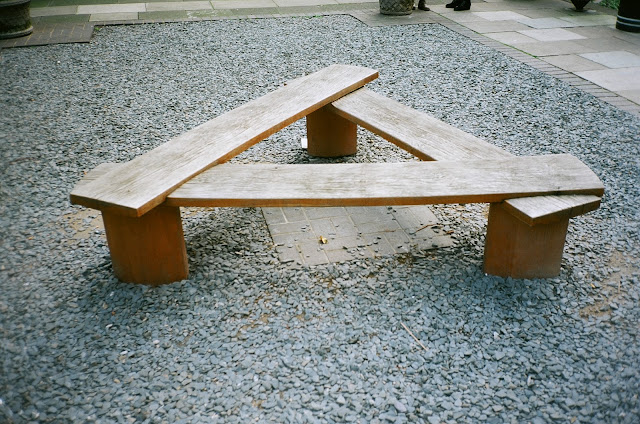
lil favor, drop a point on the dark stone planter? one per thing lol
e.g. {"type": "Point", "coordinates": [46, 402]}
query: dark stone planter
{"type": "Point", "coordinates": [15, 18]}
{"type": "Point", "coordinates": [396, 7]}
{"type": "Point", "coordinates": [580, 4]}
{"type": "Point", "coordinates": [629, 16]}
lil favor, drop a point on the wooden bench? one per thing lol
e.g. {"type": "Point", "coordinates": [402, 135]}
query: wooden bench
{"type": "Point", "coordinates": [140, 199]}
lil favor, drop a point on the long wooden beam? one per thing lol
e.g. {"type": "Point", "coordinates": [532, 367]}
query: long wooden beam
{"type": "Point", "coordinates": [429, 138]}
{"type": "Point", "coordinates": [143, 183]}
{"type": "Point", "coordinates": [374, 184]}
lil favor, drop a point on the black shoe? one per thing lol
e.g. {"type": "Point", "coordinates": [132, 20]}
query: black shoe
{"type": "Point", "coordinates": [423, 6]}
{"type": "Point", "coordinates": [453, 4]}
{"type": "Point", "coordinates": [463, 5]}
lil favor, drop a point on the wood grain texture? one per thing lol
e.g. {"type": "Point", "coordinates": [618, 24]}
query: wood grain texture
{"type": "Point", "coordinates": [372, 184]}
{"type": "Point", "coordinates": [149, 249]}
{"type": "Point", "coordinates": [547, 209]}
{"type": "Point", "coordinates": [330, 135]}
{"type": "Point", "coordinates": [420, 134]}
{"type": "Point", "coordinates": [514, 249]}
{"type": "Point", "coordinates": [431, 139]}
{"type": "Point", "coordinates": [143, 183]}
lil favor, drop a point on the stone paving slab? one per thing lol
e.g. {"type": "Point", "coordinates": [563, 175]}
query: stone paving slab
{"type": "Point", "coordinates": [510, 37]}
{"type": "Point", "coordinates": [173, 6]}
{"type": "Point", "coordinates": [249, 4]}
{"type": "Point", "coordinates": [61, 32]}
{"type": "Point", "coordinates": [633, 95]}
{"type": "Point", "coordinates": [545, 23]}
{"type": "Point", "coordinates": [552, 34]}
{"type": "Point", "coordinates": [53, 11]}
{"type": "Point", "coordinates": [614, 79]}
{"type": "Point", "coordinates": [609, 44]}
{"type": "Point", "coordinates": [114, 16]}
{"type": "Point", "coordinates": [554, 48]}
{"type": "Point", "coordinates": [314, 236]}
{"type": "Point", "coordinates": [590, 20]}
{"type": "Point", "coordinates": [614, 59]}
{"type": "Point", "coordinates": [112, 8]}
{"type": "Point", "coordinates": [72, 19]}
{"type": "Point", "coordinates": [573, 63]}
{"type": "Point", "coordinates": [299, 3]}
{"type": "Point", "coordinates": [500, 16]}
{"type": "Point", "coordinates": [496, 26]}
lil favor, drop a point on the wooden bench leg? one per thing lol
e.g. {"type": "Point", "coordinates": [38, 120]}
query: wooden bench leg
{"type": "Point", "coordinates": [330, 135]}
{"type": "Point", "coordinates": [149, 249]}
{"type": "Point", "coordinates": [516, 249]}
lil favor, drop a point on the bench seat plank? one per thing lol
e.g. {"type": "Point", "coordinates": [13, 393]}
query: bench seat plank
{"type": "Point", "coordinates": [431, 139]}
{"type": "Point", "coordinates": [420, 134]}
{"type": "Point", "coordinates": [143, 183]}
{"type": "Point", "coordinates": [374, 184]}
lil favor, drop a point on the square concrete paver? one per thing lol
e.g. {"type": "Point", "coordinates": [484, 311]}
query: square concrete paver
{"type": "Point", "coordinates": [111, 8]}
{"type": "Point", "coordinates": [53, 33]}
{"type": "Point", "coordinates": [314, 236]}
{"type": "Point", "coordinates": [573, 63]}
{"type": "Point", "coordinates": [373, 2]}
{"type": "Point", "coordinates": [115, 16]}
{"type": "Point", "coordinates": [500, 16]}
{"type": "Point", "coordinates": [545, 23]}
{"type": "Point", "coordinates": [174, 6]}
{"type": "Point", "coordinates": [510, 37]}
{"type": "Point", "coordinates": [295, 3]}
{"type": "Point", "coordinates": [248, 4]}
{"type": "Point", "coordinates": [552, 34]}
{"type": "Point", "coordinates": [53, 11]}
{"type": "Point", "coordinates": [554, 48]}
{"type": "Point", "coordinates": [458, 17]}
{"type": "Point", "coordinates": [623, 79]}
{"type": "Point", "coordinates": [590, 20]}
{"type": "Point", "coordinates": [609, 44]}
{"type": "Point", "coordinates": [633, 95]}
{"type": "Point", "coordinates": [614, 60]}
{"type": "Point", "coordinates": [497, 26]}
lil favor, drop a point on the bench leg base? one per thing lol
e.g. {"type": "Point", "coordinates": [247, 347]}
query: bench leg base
{"type": "Point", "coordinates": [515, 249]}
{"type": "Point", "coordinates": [147, 250]}
{"type": "Point", "coordinates": [330, 135]}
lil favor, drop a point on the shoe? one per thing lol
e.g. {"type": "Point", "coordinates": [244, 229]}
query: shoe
{"type": "Point", "coordinates": [423, 6]}
{"type": "Point", "coordinates": [453, 4]}
{"type": "Point", "coordinates": [463, 5]}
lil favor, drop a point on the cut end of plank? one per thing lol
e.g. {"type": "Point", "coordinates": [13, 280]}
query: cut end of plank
{"type": "Point", "coordinates": [549, 209]}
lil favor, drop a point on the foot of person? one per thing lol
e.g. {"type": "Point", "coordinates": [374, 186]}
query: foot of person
{"type": "Point", "coordinates": [463, 5]}
{"type": "Point", "coordinates": [422, 6]}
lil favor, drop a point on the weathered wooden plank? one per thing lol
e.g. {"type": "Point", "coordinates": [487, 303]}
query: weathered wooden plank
{"type": "Point", "coordinates": [143, 183]}
{"type": "Point", "coordinates": [373, 184]}
{"type": "Point", "coordinates": [547, 209]}
{"type": "Point", "coordinates": [431, 139]}
{"type": "Point", "coordinates": [420, 134]}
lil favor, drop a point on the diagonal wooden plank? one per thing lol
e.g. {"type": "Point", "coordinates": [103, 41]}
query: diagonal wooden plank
{"type": "Point", "coordinates": [431, 139]}
{"type": "Point", "coordinates": [143, 183]}
{"type": "Point", "coordinates": [420, 134]}
{"type": "Point", "coordinates": [372, 184]}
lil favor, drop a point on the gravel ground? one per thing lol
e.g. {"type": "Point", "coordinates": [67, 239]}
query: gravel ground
{"type": "Point", "coordinates": [247, 339]}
